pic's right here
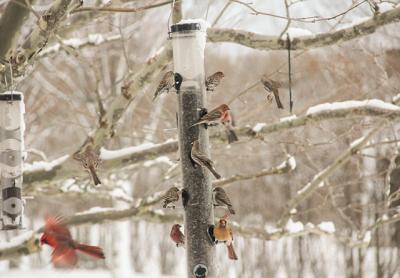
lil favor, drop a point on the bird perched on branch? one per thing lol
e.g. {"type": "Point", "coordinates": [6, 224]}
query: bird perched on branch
{"type": "Point", "coordinates": [213, 80]}
{"type": "Point", "coordinates": [177, 236]}
{"type": "Point", "coordinates": [57, 235]}
{"type": "Point", "coordinates": [201, 159]}
{"type": "Point", "coordinates": [229, 123]}
{"type": "Point", "coordinates": [171, 196]}
{"type": "Point", "coordinates": [166, 84]}
{"type": "Point", "coordinates": [90, 161]}
{"type": "Point", "coordinates": [272, 86]}
{"type": "Point", "coordinates": [221, 199]}
{"type": "Point", "coordinates": [215, 116]}
{"type": "Point", "coordinates": [223, 232]}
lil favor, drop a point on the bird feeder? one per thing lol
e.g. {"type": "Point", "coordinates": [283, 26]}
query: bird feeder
{"type": "Point", "coordinates": [11, 147]}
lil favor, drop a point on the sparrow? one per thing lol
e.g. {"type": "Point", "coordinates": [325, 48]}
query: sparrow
{"type": "Point", "coordinates": [272, 86]}
{"type": "Point", "coordinates": [57, 235]}
{"type": "Point", "coordinates": [222, 232]}
{"type": "Point", "coordinates": [177, 236]}
{"type": "Point", "coordinates": [221, 199]}
{"type": "Point", "coordinates": [171, 196]}
{"type": "Point", "coordinates": [166, 84]}
{"type": "Point", "coordinates": [213, 80]}
{"type": "Point", "coordinates": [90, 161]}
{"type": "Point", "coordinates": [201, 159]}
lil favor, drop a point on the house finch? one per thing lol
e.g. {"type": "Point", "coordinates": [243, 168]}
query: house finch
{"type": "Point", "coordinates": [177, 236]}
{"type": "Point", "coordinates": [90, 161]}
{"type": "Point", "coordinates": [221, 199]}
{"type": "Point", "coordinates": [201, 159]}
{"type": "Point", "coordinates": [228, 123]}
{"type": "Point", "coordinates": [171, 196]}
{"type": "Point", "coordinates": [213, 80]}
{"type": "Point", "coordinates": [166, 84]}
{"type": "Point", "coordinates": [217, 115]}
{"type": "Point", "coordinates": [222, 232]}
{"type": "Point", "coordinates": [57, 235]}
{"type": "Point", "coordinates": [272, 86]}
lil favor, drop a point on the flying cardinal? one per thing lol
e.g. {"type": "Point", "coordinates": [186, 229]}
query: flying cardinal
{"type": "Point", "coordinates": [57, 235]}
{"type": "Point", "coordinates": [222, 232]}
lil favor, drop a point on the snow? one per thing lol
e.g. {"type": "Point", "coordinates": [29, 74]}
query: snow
{"type": "Point", "coordinates": [396, 98]}
{"type": "Point", "coordinates": [258, 127]}
{"type": "Point", "coordinates": [356, 142]}
{"type": "Point", "coordinates": [298, 33]}
{"type": "Point", "coordinates": [328, 227]}
{"type": "Point", "coordinates": [293, 211]}
{"type": "Point", "coordinates": [44, 165]}
{"type": "Point", "coordinates": [384, 7]}
{"type": "Point", "coordinates": [95, 210]}
{"type": "Point", "coordinates": [294, 227]}
{"type": "Point", "coordinates": [16, 240]}
{"type": "Point", "coordinates": [161, 159]}
{"type": "Point", "coordinates": [112, 154]}
{"type": "Point", "coordinates": [292, 162]}
{"type": "Point", "coordinates": [367, 237]}
{"type": "Point", "coordinates": [76, 273]}
{"type": "Point", "coordinates": [369, 103]}
{"type": "Point", "coordinates": [289, 118]}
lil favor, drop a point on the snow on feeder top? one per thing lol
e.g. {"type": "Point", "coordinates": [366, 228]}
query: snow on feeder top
{"type": "Point", "coordinates": [189, 35]}
{"type": "Point", "coordinates": [11, 149]}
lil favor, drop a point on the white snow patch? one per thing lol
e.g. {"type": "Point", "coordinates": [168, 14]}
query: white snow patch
{"type": "Point", "coordinates": [293, 211]}
{"type": "Point", "coordinates": [385, 217]}
{"type": "Point", "coordinates": [321, 184]}
{"type": "Point", "coordinates": [294, 227]}
{"type": "Point", "coordinates": [161, 159]}
{"type": "Point", "coordinates": [16, 240]}
{"type": "Point", "coordinates": [96, 39]}
{"type": "Point", "coordinates": [44, 165]}
{"type": "Point", "coordinates": [396, 98]}
{"type": "Point", "coordinates": [95, 210]}
{"type": "Point", "coordinates": [298, 33]}
{"type": "Point", "coordinates": [292, 162]}
{"type": "Point", "coordinates": [74, 42]}
{"type": "Point", "coordinates": [258, 127]}
{"type": "Point", "coordinates": [112, 154]}
{"type": "Point", "coordinates": [289, 118]}
{"type": "Point", "coordinates": [328, 227]}
{"type": "Point", "coordinates": [384, 7]}
{"type": "Point", "coordinates": [367, 237]}
{"type": "Point", "coordinates": [356, 142]}
{"type": "Point", "coordinates": [369, 103]}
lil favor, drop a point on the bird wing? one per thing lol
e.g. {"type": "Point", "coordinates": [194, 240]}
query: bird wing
{"type": "Point", "coordinates": [64, 256]}
{"type": "Point", "coordinates": [212, 116]}
{"type": "Point", "coordinates": [56, 228]}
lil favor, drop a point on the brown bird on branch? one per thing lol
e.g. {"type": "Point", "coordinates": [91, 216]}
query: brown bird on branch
{"type": "Point", "coordinates": [166, 84]}
{"type": "Point", "coordinates": [201, 159]}
{"type": "Point", "coordinates": [272, 86]}
{"type": "Point", "coordinates": [213, 80]}
{"type": "Point", "coordinates": [57, 235]}
{"type": "Point", "coordinates": [221, 199]}
{"type": "Point", "coordinates": [215, 116]}
{"type": "Point", "coordinates": [171, 196]}
{"type": "Point", "coordinates": [177, 236]}
{"type": "Point", "coordinates": [90, 161]}
{"type": "Point", "coordinates": [223, 232]}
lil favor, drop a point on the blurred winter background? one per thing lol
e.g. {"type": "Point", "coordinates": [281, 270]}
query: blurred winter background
{"type": "Point", "coordinates": [68, 78]}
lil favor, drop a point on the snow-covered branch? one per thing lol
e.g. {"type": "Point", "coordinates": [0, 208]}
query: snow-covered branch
{"type": "Point", "coordinates": [264, 42]}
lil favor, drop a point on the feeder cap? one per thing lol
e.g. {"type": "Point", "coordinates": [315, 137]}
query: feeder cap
{"type": "Point", "coordinates": [185, 27]}
{"type": "Point", "coordinates": [10, 97]}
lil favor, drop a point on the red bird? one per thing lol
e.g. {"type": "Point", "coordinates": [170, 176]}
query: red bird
{"type": "Point", "coordinates": [217, 115]}
{"type": "Point", "coordinates": [223, 232]}
{"type": "Point", "coordinates": [57, 235]}
{"type": "Point", "coordinates": [177, 236]}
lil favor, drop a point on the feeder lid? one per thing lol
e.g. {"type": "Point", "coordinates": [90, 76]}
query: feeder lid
{"type": "Point", "coordinates": [185, 27]}
{"type": "Point", "coordinates": [10, 97]}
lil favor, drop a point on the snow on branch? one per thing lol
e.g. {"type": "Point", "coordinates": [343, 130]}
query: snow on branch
{"type": "Point", "coordinates": [307, 190]}
{"type": "Point", "coordinates": [264, 42]}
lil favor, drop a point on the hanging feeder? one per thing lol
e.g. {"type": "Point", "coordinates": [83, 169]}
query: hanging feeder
{"type": "Point", "coordinates": [11, 149]}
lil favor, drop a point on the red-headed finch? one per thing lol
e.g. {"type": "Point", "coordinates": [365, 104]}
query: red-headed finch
{"type": "Point", "coordinates": [57, 235]}
{"type": "Point", "coordinates": [166, 84]}
{"type": "Point", "coordinates": [90, 161]}
{"type": "Point", "coordinates": [221, 199]}
{"type": "Point", "coordinates": [201, 159]}
{"type": "Point", "coordinates": [215, 116]}
{"type": "Point", "coordinates": [177, 236]}
{"type": "Point", "coordinates": [272, 86]}
{"type": "Point", "coordinates": [222, 232]}
{"type": "Point", "coordinates": [213, 80]}
{"type": "Point", "coordinates": [228, 123]}
{"type": "Point", "coordinates": [171, 196]}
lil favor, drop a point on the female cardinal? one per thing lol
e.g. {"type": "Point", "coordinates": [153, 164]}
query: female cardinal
{"type": "Point", "coordinates": [177, 236]}
{"type": "Point", "coordinates": [222, 232]}
{"type": "Point", "coordinates": [57, 235]}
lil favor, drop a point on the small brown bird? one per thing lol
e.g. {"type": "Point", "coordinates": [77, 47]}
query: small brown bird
{"type": "Point", "coordinates": [166, 84]}
{"type": "Point", "coordinates": [90, 161]}
{"type": "Point", "coordinates": [216, 116]}
{"type": "Point", "coordinates": [201, 159]}
{"type": "Point", "coordinates": [221, 199]}
{"type": "Point", "coordinates": [213, 80]}
{"type": "Point", "coordinates": [272, 86]}
{"type": "Point", "coordinates": [177, 236]}
{"type": "Point", "coordinates": [171, 196]}
{"type": "Point", "coordinates": [222, 232]}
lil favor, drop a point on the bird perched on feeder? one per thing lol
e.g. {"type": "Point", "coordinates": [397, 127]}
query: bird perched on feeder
{"type": "Point", "coordinates": [213, 80]}
{"type": "Point", "coordinates": [223, 232]}
{"type": "Point", "coordinates": [272, 86]}
{"type": "Point", "coordinates": [221, 199]}
{"type": "Point", "coordinates": [171, 196]}
{"type": "Point", "coordinates": [216, 116]}
{"type": "Point", "coordinates": [177, 236]}
{"type": "Point", "coordinates": [201, 159]}
{"type": "Point", "coordinates": [90, 161]}
{"type": "Point", "coordinates": [57, 235]}
{"type": "Point", "coordinates": [166, 84]}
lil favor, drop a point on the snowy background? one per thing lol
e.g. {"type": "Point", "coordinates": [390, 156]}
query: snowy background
{"type": "Point", "coordinates": [91, 57]}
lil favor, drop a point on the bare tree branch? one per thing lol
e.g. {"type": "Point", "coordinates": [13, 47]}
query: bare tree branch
{"type": "Point", "coordinates": [122, 9]}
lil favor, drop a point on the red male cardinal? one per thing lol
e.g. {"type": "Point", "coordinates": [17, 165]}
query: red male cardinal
{"type": "Point", "coordinates": [57, 235]}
